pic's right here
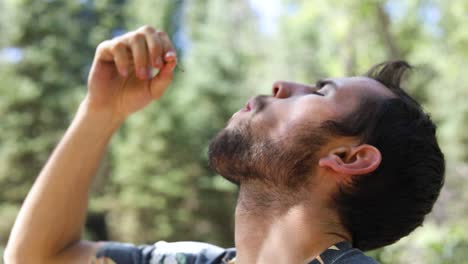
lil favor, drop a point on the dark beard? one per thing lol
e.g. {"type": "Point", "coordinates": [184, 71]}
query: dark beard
{"type": "Point", "coordinates": [240, 157]}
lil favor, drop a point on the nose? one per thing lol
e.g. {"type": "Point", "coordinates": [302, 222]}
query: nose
{"type": "Point", "coordinates": [284, 89]}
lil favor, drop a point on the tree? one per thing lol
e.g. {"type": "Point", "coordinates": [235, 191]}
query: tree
{"type": "Point", "coordinates": [56, 40]}
{"type": "Point", "coordinates": [160, 180]}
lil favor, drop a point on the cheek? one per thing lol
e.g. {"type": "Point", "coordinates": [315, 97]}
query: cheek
{"type": "Point", "coordinates": [313, 111]}
{"type": "Point", "coordinates": [269, 121]}
{"type": "Point", "coordinates": [307, 117]}
{"type": "Point", "coordinates": [282, 118]}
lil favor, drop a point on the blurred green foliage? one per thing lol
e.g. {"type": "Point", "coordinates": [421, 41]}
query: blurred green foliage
{"type": "Point", "coordinates": [154, 183]}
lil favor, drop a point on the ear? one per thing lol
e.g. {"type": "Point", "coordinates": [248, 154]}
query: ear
{"type": "Point", "coordinates": [355, 160]}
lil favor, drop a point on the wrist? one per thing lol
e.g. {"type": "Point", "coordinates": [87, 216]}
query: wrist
{"type": "Point", "coordinates": [100, 118]}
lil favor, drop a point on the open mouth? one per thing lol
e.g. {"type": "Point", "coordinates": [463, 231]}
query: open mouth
{"type": "Point", "coordinates": [250, 105]}
{"type": "Point", "coordinates": [255, 104]}
{"type": "Point", "coordinates": [247, 107]}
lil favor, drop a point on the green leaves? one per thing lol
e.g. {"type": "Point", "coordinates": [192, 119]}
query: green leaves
{"type": "Point", "coordinates": [155, 182]}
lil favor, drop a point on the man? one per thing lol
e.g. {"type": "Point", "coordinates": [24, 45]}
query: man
{"type": "Point", "coordinates": [323, 170]}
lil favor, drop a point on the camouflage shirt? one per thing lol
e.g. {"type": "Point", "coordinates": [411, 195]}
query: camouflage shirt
{"type": "Point", "coordinates": [203, 253]}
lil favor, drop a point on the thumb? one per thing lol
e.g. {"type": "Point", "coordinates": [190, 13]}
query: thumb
{"type": "Point", "coordinates": [162, 80]}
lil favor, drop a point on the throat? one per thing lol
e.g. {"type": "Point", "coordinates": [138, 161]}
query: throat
{"type": "Point", "coordinates": [263, 198]}
{"type": "Point", "coordinates": [272, 228]}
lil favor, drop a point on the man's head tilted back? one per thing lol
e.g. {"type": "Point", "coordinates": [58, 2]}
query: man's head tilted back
{"type": "Point", "coordinates": [359, 147]}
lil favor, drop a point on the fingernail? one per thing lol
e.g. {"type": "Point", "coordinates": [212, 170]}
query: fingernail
{"type": "Point", "coordinates": [143, 73]}
{"type": "Point", "coordinates": [170, 54]}
{"type": "Point", "coordinates": [149, 72]}
{"type": "Point", "coordinates": [124, 72]}
{"type": "Point", "coordinates": [158, 62]}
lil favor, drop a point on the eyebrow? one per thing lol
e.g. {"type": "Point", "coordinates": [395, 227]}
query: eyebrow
{"type": "Point", "coordinates": [322, 82]}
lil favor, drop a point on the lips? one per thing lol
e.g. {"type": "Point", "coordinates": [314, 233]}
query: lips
{"type": "Point", "coordinates": [247, 107]}
{"type": "Point", "coordinates": [254, 105]}
{"type": "Point", "coordinates": [250, 105]}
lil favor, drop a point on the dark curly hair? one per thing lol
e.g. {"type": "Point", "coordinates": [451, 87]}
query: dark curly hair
{"type": "Point", "coordinates": [380, 208]}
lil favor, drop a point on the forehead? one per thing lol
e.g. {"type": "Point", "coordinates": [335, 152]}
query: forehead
{"type": "Point", "coordinates": [350, 90]}
{"type": "Point", "coordinates": [360, 86]}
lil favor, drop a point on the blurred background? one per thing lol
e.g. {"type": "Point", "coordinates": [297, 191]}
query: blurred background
{"type": "Point", "coordinates": [154, 183]}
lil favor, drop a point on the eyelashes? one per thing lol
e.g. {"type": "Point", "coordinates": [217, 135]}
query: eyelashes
{"type": "Point", "coordinates": [320, 84]}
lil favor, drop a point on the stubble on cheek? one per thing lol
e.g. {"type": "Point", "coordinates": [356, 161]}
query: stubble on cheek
{"type": "Point", "coordinates": [258, 146]}
{"type": "Point", "coordinates": [229, 149]}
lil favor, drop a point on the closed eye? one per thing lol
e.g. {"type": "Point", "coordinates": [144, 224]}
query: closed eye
{"type": "Point", "coordinates": [319, 85]}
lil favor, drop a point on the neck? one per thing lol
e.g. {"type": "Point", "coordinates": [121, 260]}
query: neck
{"type": "Point", "coordinates": [272, 227]}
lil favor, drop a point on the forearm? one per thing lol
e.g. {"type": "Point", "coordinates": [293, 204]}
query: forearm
{"type": "Point", "coordinates": [54, 211]}
{"type": "Point", "coordinates": [49, 224]}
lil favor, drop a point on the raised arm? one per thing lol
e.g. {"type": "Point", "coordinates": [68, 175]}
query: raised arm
{"type": "Point", "coordinates": [48, 227]}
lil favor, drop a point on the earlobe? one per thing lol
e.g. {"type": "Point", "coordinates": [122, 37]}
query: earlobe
{"type": "Point", "coordinates": [358, 160]}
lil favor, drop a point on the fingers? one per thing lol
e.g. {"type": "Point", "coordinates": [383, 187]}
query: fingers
{"type": "Point", "coordinates": [169, 51]}
{"type": "Point", "coordinates": [122, 58]}
{"type": "Point", "coordinates": [158, 46]}
{"type": "Point", "coordinates": [155, 46]}
{"type": "Point", "coordinates": [163, 79]}
{"type": "Point", "coordinates": [140, 54]}
{"type": "Point", "coordinates": [138, 51]}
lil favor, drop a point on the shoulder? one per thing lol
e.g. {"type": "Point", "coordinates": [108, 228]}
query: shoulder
{"type": "Point", "coordinates": [343, 253]}
{"type": "Point", "coordinates": [354, 256]}
{"type": "Point", "coordinates": [164, 252]}
{"type": "Point", "coordinates": [190, 251]}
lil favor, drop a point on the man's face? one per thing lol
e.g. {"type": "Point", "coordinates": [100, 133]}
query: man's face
{"type": "Point", "coordinates": [277, 139]}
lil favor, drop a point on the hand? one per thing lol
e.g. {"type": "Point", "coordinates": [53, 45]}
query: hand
{"type": "Point", "coordinates": [120, 81]}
